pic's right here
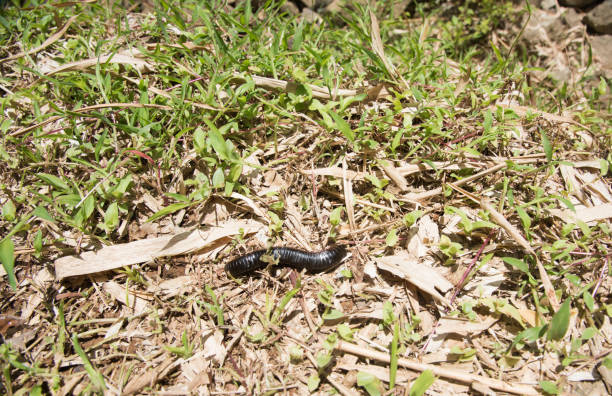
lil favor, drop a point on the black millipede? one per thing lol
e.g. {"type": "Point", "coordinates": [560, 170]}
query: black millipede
{"type": "Point", "coordinates": [287, 257]}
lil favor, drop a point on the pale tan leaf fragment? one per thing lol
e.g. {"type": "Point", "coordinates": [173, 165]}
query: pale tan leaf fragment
{"type": "Point", "coordinates": [422, 276]}
{"type": "Point", "coordinates": [395, 175]}
{"type": "Point", "coordinates": [117, 256]}
{"type": "Point", "coordinates": [335, 172]}
{"type": "Point", "coordinates": [595, 213]}
{"type": "Point", "coordinates": [450, 325]}
{"type": "Point", "coordinates": [149, 378]}
{"type": "Point", "coordinates": [119, 293]}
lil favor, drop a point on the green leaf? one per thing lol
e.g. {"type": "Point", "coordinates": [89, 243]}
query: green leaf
{"type": "Point", "coordinates": [369, 382]}
{"type": "Point", "coordinates": [333, 314]}
{"type": "Point", "coordinates": [217, 141]}
{"type": "Point", "coordinates": [549, 387]}
{"type": "Point", "coordinates": [343, 126]}
{"type": "Point", "coordinates": [313, 382]}
{"type": "Point", "coordinates": [394, 356]}
{"type": "Point", "coordinates": [95, 377]}
{"type": "Point", "coordinates": [529, 335]}
{"type": "Point", "coordinates": [9, 211]}
{"type": "Point", "coordinates": [388, 316]}
{"type": "Point", "coordinates": [518, 264]}
{"type": "Point", "coordinates": [560, 322]}
{"type": "Point", "coordinates": [588, 300]}
{"type": "Point", "coordinates": [8, 260]}
{"type": "Point", "coordinates": [603, 167]}
{"type": "Point", "coordinates": [412, 217]}
{"type": "Point", "coordinates": [421, 384]}
{"type": "Point", "coordinates": [54, 181]}
{"type": "Point", "coordinates": [42, 213]}
{"type": "Point", "coordinates": [175, 207]}
{"type": "Point", "coordinates": [323, 359]}
{"type": "Point", "coordinates": [335, 216]}
{"type": "Point", "coordinates": [111, 217]}
{"type": "Point", "coordinates": [218, 179]}
{"type": "Point", "coordinates": [345, 332]}
{"type": "Point", "coordinates": [546, 146]}
{"type": "Point", "coordinates": [392, 238]}
{"type": "Point", "coordinates": [525, 219]}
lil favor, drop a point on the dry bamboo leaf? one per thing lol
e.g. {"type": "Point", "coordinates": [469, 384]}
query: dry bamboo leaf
{"type": "Point", "coordinates": [595, 213]}
{"type": "Point", "coordinates": [422, 276]}
{"type": "Point", "coordinates": [53, 38]}
{"type": "Point", "coordinates": [119, 293]}
{"type": "Point", "coordinates": [117, 256]}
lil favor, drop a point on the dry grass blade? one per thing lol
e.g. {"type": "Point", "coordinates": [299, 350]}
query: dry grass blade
{"type": "Point", "coordinates": [456, 375]}
{"type": "Point", "coordinates": [122, 59]}
{"type": "Point", "coordinates": [378, 48]}
{"type": "Point", "coordinates": [53, 38]}
{"type": "Point", "coordinates": [289, 86]}
{"type": "Point", "coordinates": [349, 199]}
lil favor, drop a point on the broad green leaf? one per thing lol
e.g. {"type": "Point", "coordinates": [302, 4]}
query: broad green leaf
{"type": "Point", "coordinates": [588, 300]}
{"type": "Point", "coordinates": [111, 217]}
{"type": "Point", "coordinates": [333, 314]}
{"type": "Point", "coordinates": [369, 382]}
{"type": "Point", "coordinates": [323, 359]}
{"type": "Point", "coordinates": [9, 210]}
{"type": "Point", "coordinates": [392, 238]}
{"type": "Point", "coordinates": [518, 264]}
{"type": "Point", "coordinates": [54, 181]}
{"type": "Point", "coordinates": [217, 141]}
{"type": "Point", "coordinates": [421, 384]}
{"type": "Point", "coordinates": [560, 322]}
{"type": "Point", "coordinates": [345, 332]}
{"type": "Point", "coordinates": [7, 257]}
{"type": "Point", "coordinates": [175, 207]}
{"type": "Point", "coordinates": [313, 382]}
{"type": "Point", "coordinates": [342, 126]}
{"type": "Point", "coordinates": [549, 387]}
{"type": "Point", "coordinates": [218, 178]}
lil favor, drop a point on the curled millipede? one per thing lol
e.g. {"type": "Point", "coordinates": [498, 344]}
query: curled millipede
{"type": "Point", "coordinates": [287, 257]}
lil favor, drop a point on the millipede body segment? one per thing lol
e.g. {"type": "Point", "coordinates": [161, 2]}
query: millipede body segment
{"type": "Point", "coordinates": [287, 257]}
